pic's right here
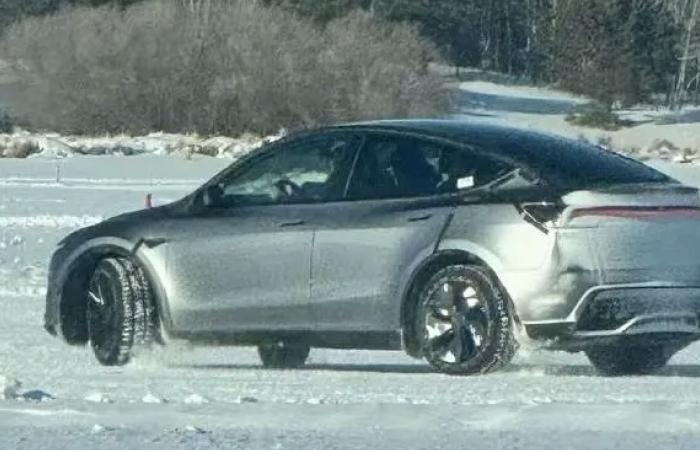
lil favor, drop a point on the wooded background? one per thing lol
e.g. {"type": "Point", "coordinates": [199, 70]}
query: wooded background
{"type": "Point", "coordinates": [618, 52]}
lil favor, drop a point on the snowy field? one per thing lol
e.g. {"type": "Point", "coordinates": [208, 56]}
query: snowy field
{"type": "Point", "coordinates": [183, 397]}
{"type": "Point", "coordinates": [657, 133]}
{"type": "Point", "coordinates": [180, 397]}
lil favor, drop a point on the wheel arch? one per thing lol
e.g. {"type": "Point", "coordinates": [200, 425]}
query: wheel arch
{"type": "Point", "coordinates": [421, 274]}
{"type": "Point", "coordinates": [72, 299]}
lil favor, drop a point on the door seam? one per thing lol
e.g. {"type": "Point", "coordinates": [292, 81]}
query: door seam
{"type": "Point", "coordinates": [440, 235]}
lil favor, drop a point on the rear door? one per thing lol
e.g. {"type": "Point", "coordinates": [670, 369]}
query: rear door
{"type": "Point", "coordinates": [398, 201]}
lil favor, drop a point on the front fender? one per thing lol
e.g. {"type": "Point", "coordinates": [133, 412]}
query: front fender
{"type": "Point", "coordinates": [80, 260]}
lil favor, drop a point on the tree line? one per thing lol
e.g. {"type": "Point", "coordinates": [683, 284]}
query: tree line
{"type": "Point", "coordinates": [214, 67]}
{"type": "Point", "coordinates": [616, 51]}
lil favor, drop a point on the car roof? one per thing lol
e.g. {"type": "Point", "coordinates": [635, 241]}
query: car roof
{"type": "Point", "coordinates": [457, 130]}
{"type": "Point", "coordinates": [572, 162]}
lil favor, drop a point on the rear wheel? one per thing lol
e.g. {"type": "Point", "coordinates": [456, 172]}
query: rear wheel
{"type": "Point", "coordinates": [120, 310]}
{"type": "Point", "coordinates": [283, 355]}
{"type": "Point", "coordinates": [463, 321]}
{"type": "Point", "coordinates": [621, 359]}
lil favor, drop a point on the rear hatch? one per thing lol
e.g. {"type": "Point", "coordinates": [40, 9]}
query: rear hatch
{"type": "Point", "coordinates": [640, 232]}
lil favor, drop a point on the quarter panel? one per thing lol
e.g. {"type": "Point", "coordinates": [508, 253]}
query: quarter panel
{"type": "Point", "coordinates": [543, 272]}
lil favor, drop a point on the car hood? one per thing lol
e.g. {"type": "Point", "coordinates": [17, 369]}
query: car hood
{"type": "Point", "coordinates": [157, 213]}
{"type": "Point", "coordinates": [123, 224]}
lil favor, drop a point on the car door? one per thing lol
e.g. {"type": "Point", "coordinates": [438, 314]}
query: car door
{"type": "Point", "coordinates": [391, 218]}
{"type": "Point", "coordinates": [243, 261]}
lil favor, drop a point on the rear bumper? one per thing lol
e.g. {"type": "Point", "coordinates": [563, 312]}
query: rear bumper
{"type": "Point", "coordinates": [608, 312]}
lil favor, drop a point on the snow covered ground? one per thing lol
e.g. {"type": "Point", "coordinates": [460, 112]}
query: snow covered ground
{"type": "Point", "coordinates": [53, 396]}
{"type": "Point", "coordinates": [656, 134]}
{"type": "Point", "coordinates": [183, 397]}
{"type": "Point", "coordinates": [22, 144]}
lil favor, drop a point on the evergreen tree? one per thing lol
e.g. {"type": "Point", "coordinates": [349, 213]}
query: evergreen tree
{"type": "Point", "coordinates": [613, 50]}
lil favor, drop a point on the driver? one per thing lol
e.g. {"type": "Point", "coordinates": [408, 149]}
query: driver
{"type": "Point", "coordinates": [335, 161]}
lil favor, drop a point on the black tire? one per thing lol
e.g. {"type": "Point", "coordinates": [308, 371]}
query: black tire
{"type": "Point", "coordinates": [283, 355]}
{"type": "Point", "coordinates": [120, 310]}
{"type": "Point", "coordinates": [616, 360]}
{"type": "Point", "coordinates": [146, 323]}
{"type": "Point", "coordinates": [463, 321]}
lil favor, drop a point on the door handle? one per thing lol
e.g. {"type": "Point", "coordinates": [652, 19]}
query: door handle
{"type": "Point", "coordinates": [294, 223]}
{"type": "Point", "coordinates": [420, 218]}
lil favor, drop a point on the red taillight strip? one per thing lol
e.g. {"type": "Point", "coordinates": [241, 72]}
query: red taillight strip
{"type": "Point", "coordinates": [637, 212]}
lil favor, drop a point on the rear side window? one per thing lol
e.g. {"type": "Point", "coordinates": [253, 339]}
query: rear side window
{"type": "Point", "coordinates": [576, 165]}
{"type": "Point", "coordinates": [404, 167]}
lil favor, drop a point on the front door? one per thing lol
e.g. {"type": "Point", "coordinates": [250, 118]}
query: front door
{"type": "Point", "coordinates": [244, 261]}
{"type": "Point", "coordinates": [239, 268]}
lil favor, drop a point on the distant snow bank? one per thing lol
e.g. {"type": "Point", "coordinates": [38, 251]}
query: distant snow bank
{"type": "Point", "coordinates": [22, 144]}
{"type": "Point", "coordinates": [523, 92]}
{"type": "Point", "coordinates": [48, 221]}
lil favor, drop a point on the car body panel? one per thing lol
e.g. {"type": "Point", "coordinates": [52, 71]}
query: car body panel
{"type": "Point", "coordinates": [360, 251]}
{"type": "Point", "coordinates": [239, 268]}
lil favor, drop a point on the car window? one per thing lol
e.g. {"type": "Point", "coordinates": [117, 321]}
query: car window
{"type": "Point", "coordinates": [310, 170]}
{"type": "Point", "coordinates": [575, 165]}
{"type": "Point", "coordinates": [399, 167]}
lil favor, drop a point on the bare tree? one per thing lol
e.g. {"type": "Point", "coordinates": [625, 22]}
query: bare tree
{"type": "Point", "coordinates": [216, 66]}
{"type": "Point", "coordinates": [686, 14]}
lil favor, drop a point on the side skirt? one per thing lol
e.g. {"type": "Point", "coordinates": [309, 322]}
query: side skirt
{"type": "Point", "coordinates": [371, 340]}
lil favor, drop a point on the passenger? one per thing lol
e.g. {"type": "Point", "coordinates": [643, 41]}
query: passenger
{"type": "Point", "coordinates": [414, 175]}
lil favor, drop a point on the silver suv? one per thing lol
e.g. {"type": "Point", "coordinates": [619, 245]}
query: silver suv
{"type": "Point", "coordinates": [436, 237]}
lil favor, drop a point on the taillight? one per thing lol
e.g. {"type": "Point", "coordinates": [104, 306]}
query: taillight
{"type": "Point", "coordinates": [637, 212]}
{"type": "Point", "coordinates": [543, 215]}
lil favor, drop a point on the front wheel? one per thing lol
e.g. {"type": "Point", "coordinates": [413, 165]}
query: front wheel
{"type": "Point", "coordinates": [616, 360]}
{"type": "Point", "coordinates": [120, 310]}
{"type": "Point", "coordinates": [283, 355]}
{"type": "Point", "coordinates": [464, 323]}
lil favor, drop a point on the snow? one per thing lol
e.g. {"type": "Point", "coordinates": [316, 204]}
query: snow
{"type": "Point", "coordinates": [151, 398]}
{"type": "Point", "coordinates": [53, 145]}
{"type": "Point", "coordinates": [523, 92]}
{"type": "Point", "coordinates": [195, 399]}
{"type": "Point", "coordinates": [98, 397]}
{"type": "Point", "coordinates": [657, 133]}
{"type": "Point", "coordinates": [62, 221]}
{"type": "Point", "coordinates": [181, 397]}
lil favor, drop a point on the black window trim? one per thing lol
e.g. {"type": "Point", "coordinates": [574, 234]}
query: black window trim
{"type": "Point", "coordinates": [370, 133]}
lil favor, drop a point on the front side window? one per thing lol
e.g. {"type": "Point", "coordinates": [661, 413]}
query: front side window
{"type": "Point", "coordinates": [310, 170]}
{"type": "Point", "coordinates": [400, 167]}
